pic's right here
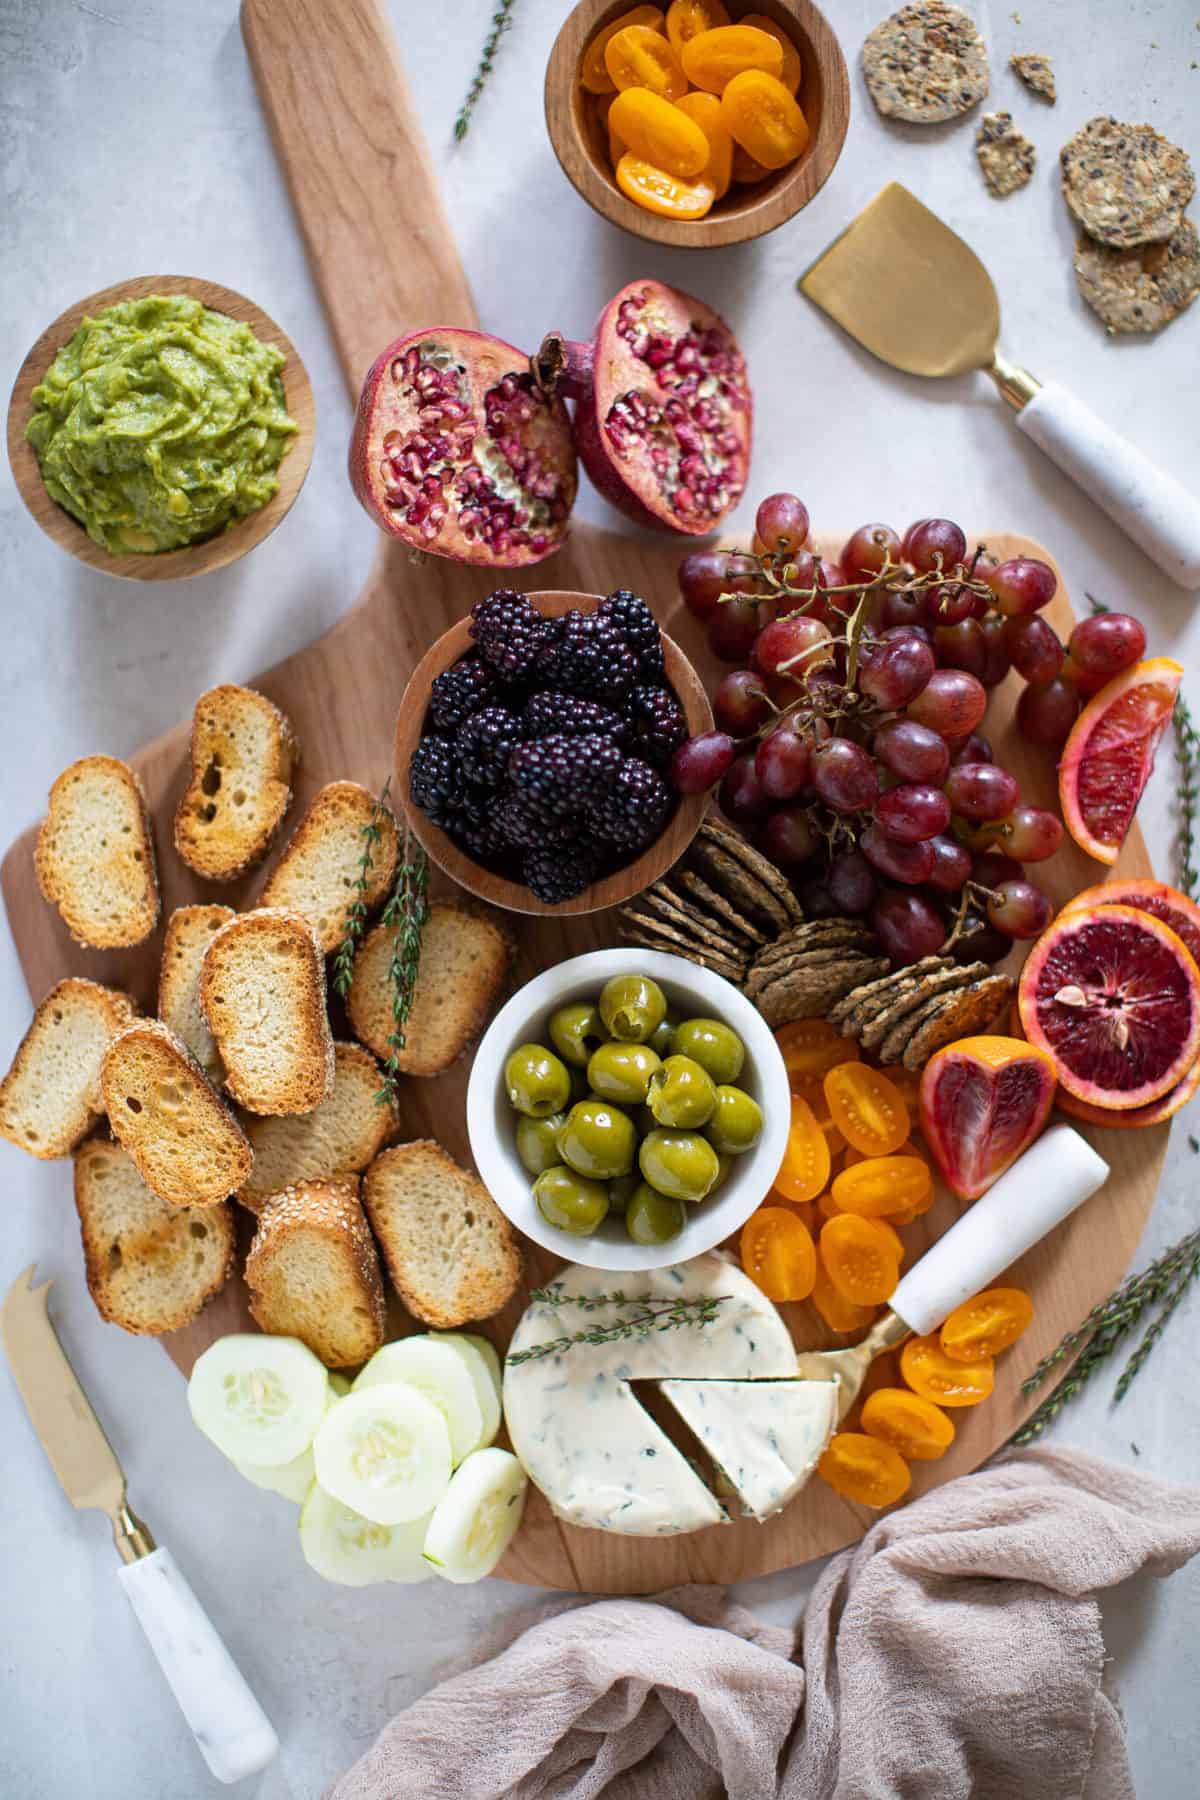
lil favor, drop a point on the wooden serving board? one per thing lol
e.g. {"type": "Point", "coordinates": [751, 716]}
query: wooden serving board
{"type": "Point", "coordinates": [323, 77]}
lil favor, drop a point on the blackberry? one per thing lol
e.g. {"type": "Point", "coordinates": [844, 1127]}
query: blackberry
{"type": "Point", "coordinates": [435, 780]}
{"type": "Point", "coordinates": [460, 691]}
{"type": "Point", "coordinates": [659, 724]}
{"type": "Point", "coordinates": [639, 628]}
{"type": "Point", "coordinates": [557, 875]}
{"type": "Point", "coordinates": [635, 808]}
{"type": "Point", "coordinates": [523, 826]}
{"type": "Point", "coordinates": [590, 657]}
{"type": "Point", "coordinates": [572, 716]}
{"type": "Point", "coordinates": [564, 774]}
{"type": "Point", "coordinates": [485, 842]}
{"type": "Point", "coordinates": [511, 633]}
{"type": "Point", "coordinates": [485, 742]}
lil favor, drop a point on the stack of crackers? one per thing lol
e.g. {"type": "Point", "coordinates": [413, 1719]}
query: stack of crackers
{"type": "Point", "coordinates": [812, 966]}
{"type": "Point", "coordinates": [905, 1016]}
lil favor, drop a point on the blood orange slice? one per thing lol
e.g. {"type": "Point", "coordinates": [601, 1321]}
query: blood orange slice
{"type": "Point", "coordinates": [1107, 759]}
{"type": "Point", "coordinates": [1165, 903]}
{"type": "Point", "coordinates": [1114, 997]}
{"type": "Point", "coordinates": [1157, 1113]}
{"type": "Point", "coordinates": [983, 1101]}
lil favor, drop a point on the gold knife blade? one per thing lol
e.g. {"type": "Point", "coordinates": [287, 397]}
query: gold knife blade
{"type": "Point", "coordinates": [71, 1434]}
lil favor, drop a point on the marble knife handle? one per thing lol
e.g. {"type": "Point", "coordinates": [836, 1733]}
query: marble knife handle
{"type": "Point", "coordinates": [233, 1733]}
{"type": "Point", "coordinates": [1149, 505]}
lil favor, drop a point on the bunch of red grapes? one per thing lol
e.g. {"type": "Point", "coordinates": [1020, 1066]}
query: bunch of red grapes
{"type": "Point", "coordinates": [847, 744]}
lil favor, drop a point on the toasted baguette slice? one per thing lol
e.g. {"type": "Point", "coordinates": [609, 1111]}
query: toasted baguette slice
{"type": "Point", "coordinates": [190, 930]}
{"type": "Point", "coordinates": [95, 854]}
{"type": "Point", "coordinates": [317, 876]}
{"type": "Point", "coordinates": [463, 967]}
{"type": "Point", "coordinates": [313, 1272]}
{"type": "Point", "coordinates": [335, 1141]}
{"type": "Point", "coordinates": [150, 1266]}
{"type": "Point", "coordinates": [262, 987]}
{"type": "Point", "coordinates": [243, 756]}
{"type": "Point", "coordinates": [50, 1099]}
{"type": "Point", "coordinates": [184, 1139]}
{"type": "Point", "coordinates": [449, 1250]}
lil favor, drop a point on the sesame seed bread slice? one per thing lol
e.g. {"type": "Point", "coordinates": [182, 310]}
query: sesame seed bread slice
{"type": "Point", "coordinates": [95, 854]}
{"type": "Point", "coordinates": [318, 873]}
{"type": "Point", "coordinates": [190, 930]}
{"type": "Point", "coordinates": [243, 755]}
{"type": "Point", "coordinates": [150, 1266]}
{"type": "Point", "coordinates": [313, 1272]}
{"type": "Point", "coordinates": [338, 1138]}
{"type": "Point", "coordinates": [262, 987]}
{"type": "Point", "coordinates": [50, 1099]}
{"type": "Point", "coordinates": [451, 1253]}
{"type": "Point", "coordinates": [162, 1108]}
{"type": "Point", "coordinates": [464, 964]}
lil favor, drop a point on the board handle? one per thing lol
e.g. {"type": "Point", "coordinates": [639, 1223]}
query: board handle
{"type": "Point", "coordinates": [359, 171]}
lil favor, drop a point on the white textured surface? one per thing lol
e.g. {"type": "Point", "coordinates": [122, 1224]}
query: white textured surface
{"type": "Point", "coordinates": [130, 142]}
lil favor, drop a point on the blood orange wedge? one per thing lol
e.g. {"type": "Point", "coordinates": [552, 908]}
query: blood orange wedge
{"type": "Point", "coordinates": [983, 1101]}
{"type": "Point", "coordinates": [1107, 759]}
{"type": "Point", "coordinates": [1165, 903]}
{"type": "Point", "coordinates": [1157, 1113]}
{"type": "Point", "coordinates": [1114, 997]}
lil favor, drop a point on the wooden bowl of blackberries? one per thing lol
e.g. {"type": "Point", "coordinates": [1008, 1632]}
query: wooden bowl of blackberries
{"type": "Point", "coordinates": [533, 750]}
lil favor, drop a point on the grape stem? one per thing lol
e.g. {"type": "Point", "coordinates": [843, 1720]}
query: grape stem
{"type": "Point", "coordinates": [972, 893]}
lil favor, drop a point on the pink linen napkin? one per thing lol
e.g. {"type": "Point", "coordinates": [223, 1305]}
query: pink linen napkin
{"type": "Point", "coordinates": [955, 1652]}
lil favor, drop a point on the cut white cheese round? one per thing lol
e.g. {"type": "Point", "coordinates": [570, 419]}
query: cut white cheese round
{"type": "Point", "coordinates": [575, 1422]}
{"type": "Point", "coordinates": [766, 1436]}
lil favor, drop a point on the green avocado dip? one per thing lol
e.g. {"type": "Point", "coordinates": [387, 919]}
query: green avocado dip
{"type": "Point", "coordinates": [161, 423]}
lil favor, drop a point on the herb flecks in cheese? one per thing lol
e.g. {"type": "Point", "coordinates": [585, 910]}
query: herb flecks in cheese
{"type": "Point", "coordinates": [766, 1436]}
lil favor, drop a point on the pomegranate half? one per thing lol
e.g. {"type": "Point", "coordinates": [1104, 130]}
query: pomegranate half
{"type": "Point", "coordinates": [457, 451]}
{"type": "Point", "coordinates": [663, 409]}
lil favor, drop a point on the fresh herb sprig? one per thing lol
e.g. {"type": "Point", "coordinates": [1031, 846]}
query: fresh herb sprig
{"type": "Point", "coordinates": [406, 912]}
{"type": "Point", "coordinates": [1187, 760]}
{"type": "Point", "coordinates": [356, 923]}
{"type": "Point", "coordinates": [501, 20]}
{"type": "Point", "coordinates": [651, 1316]}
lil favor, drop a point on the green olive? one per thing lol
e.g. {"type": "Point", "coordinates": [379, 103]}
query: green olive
{"type": "Point", "coordinates": [621, 1191]}
{"type": "Point", "coordinates": [536, 1082]}
{"type": "Point", "coordinates": [575, 1031]}
{"type": "Point", "coordinates": [714, 1045]}
{"type": "Point", "coordinates": [653, 1218]}
{"type": "Point", "coordinates": [660, 1039]}
{"type": "Point", "coordinates": [737, 1123]}
{"type": "Point", "coordinates": [598, 1140]}
{"type": "Point", "coordinates": [536, 1141]}
{"type": "Point", "coordinates": [632, 1008]}
{"type": "Point", "coordinates": [682, 1095]}
{"type": "Point", "coordinates": [622, 1072]}
{"type": "Point", "coordinates": [680, 1164]}
{"type": "Point", "coordinates": [567, 1200]}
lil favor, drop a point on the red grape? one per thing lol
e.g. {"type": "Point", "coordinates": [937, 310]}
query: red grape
{"type": "Point", "coordinates": [781, 523]}
{"type": "Point", "coordinates": [1019, 909]}
{"type": "Point", "coordinates": [701, 762]}
{"type": "Point", "coordinates": [1105, 644]}
{"type": "Point", "coordinates": [739, 705]}
{"type": "Point", "coordinates": [991, 867]}
{"type": "Point", "coordinates": [949, 604]}
{"type": "Point", "coordinates": [910, 863]}
{"type": "Point", "coordinates": [851, 882]}
{"type": "Point", "coordinates": [907, 926]}
{"type": "Point", "coordinates": [896, 671]}
{"type": "Point", "coordinates": [972, 748]}
{"type": "Point", "coordinates": [997, 661]}
{"type": "Point", "coordinates": [788, 837]}
{"type": "Point", "coordinates": [844, 775]}
{"type": "Point", "coordinates": [707, 574]}
{"type": "Point", "coordinates": [951, 865]}
{"type": "Point", "coordinates": [900, 608]}
{"type": "Point", "coordinates": [868, 549]}
{"type": "Point", "coordinates": [781, 762]}
{"type": "Point", "coordinates": [979, 942]}
{"type": "Point", "coordinates": [1046, 714]}
{"type": "Point", "coordinates": [1022, 585]}
{"type": "Point", "coordinates": [732, 630]}
{"type": "Point", "coordinates": [742, 798]}
{"type": "Point", "coordinates": [981, 790]}
{"type": "Point", "coordinates": [962, 647]}
{"type": "Point", "coordinates": [952, 703]}
{"type": "Point", "coordinates": [785, 640]}
{"type": "Point", "coordinates": [934, 544]}
{"type": "Point", "coordinates": [1030, 833]}
{"type": "Point", "coordinates": [911, 750]}
{"type": "Point", "coordinates": [913, 812]}
{"type": "Point", "coordinates": [1035, 648]}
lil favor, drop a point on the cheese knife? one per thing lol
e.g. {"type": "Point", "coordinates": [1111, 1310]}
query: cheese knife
{"type": "Point", "coordinates": [234, 1735]}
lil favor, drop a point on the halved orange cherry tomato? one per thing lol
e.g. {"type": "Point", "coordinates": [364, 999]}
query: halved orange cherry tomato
{"type": "Point", "coordinates": [712, 60]}
{"type": "Point", "coordinates": [937, 1377]}
{"type": "Point", "coordinates": [810, 1047]}
{"type": "Point", "coordinates": [987, 1324]}
{"type": "Point", "coordinates": [763, 118]}
{"type": "Point", "coordinates": [841, 1315]}
{"type": "Point", "coordinates": [661, 193]}
{"type": "Point", "coordinates": [792, 68]}
{"type": "Point", "coordinates": [705, 111]}
{"type": "Point", "coordinates": [804, 1171]}
{"type": "Point", "coordinates": [778, 1254]}
{"type": "Point", "coordinates": [867, 1108]}
{"type": "Point", "coordinates": [641, 57]}
{"type": "Point", "coordinates": [686, 19]}
{"type": "Point", "coordinates": [860, 1258]}
{"type": "Point", "coordinates": [883, 1186]}
{"type": "Point", "coordinates": [914, 1426]}
{"type": "Point", "coordinates": [593, 75]}
{"type": "Point", "coordinates": [864, 1469]}
{"type": "Point", "coordinates": [745, 169]}
{"type": "Point", "coordinates": [658, 132]}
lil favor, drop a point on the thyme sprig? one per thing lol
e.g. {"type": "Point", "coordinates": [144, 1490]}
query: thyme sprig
{"type": "Point", "coordinates": [1187, 760]}
{"type": "Point", "coordinates": [407, 911]}
{"type": "Point", "coordinates": [652, 1316]}
{"type": "Point", "coordinates": [501, 21]}
{"type": "Point", "coordinates": [356, 923]}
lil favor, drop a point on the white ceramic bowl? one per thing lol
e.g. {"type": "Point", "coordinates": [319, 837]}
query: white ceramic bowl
{"type": "Point", "coordinates": [691, 992]}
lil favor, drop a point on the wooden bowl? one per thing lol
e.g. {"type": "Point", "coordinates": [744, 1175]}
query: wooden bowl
{"type": "Point", "coordinates": [613, 889]}
{"type": "Point", "coordinates": [581, 143]}
{"type": "Point", "coordinates": [214, 552]}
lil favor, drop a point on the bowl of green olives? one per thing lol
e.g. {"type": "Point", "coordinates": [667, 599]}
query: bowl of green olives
{"type": "Point", "coordinates": [628, 1109]}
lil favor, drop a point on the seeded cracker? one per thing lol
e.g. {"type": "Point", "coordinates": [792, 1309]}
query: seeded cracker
{"type": "Point", "coordinates": [1005, 154]}
{"type": "Point", "coordinates": [758, 864]}
{"type": "Point", "coordinates": [972, 1009]}
{"type": "Point", "coordinates": [1036, 73]}
{"type": "Point", "coordinates": [906, 1006]}
{"type": "Point", "coordinates": [885, 987]}
{"type": "Point", "coordinates": [737, 883]}
{"type": "Point", "coordinates": [808, 993]}
{"type": "Point", "coordinates": [926, 63]}
{"type": "Point", "coordinates": [1125, 183]}
{"type": "Point", "coordinates": [722, 911]}
{"type": "Point", "coordinates": [1141, 289]}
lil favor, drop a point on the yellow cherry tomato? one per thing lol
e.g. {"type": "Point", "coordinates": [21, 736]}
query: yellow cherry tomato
{"type": "Point", "coordinates": [860, 1258]}
{"type": "Point", "coordinates": [686, 19]}
{"type": "Point", "coordinates": [778, 1254]}
{"type": "Point", "coordinates": [764, 119]}
{"type": "Point", "coordinates": [658, 132]}
{"type": "Point", "coordinates": [593, 75]}
{"type": "Point", "coordinates": [705, 111]}
{"type": "Point", "coordinates": [867, 1108]}
{"type": "Point", "coordinates": [841, 1315]}
{"type": "Point", "coordinates": [884, 1187]}
{"type": "Point", "coordinates": [914, 1426]}
{"type": "Point", "coordinates": [792, 67]}
{"type": "Point", "coordinates": [987, 1324]}
{"type": "Point", "coordinates": [937, 1377]}
{"type": "Point", "coordinates": [711, 60]}
{"type": "Point", "coordinates": [864, 1469]}
{"type": "Point", "coordinates": [640, 57]}
{"type": "Point", "coordinates": [804, 1172]}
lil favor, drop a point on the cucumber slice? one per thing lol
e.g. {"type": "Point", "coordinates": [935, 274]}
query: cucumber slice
{"type": "Point", "coordinates": [343, 1546]}
{"type": "Point", "coordinates": [385, 1453]}
{"type": "Point", "coordinates": [484, 1366]}
{"type": "Point", "coordinates": [259, 1398]}
{"type": "Point", "coordinates": [294, 1479]}
{"type": "Point", "coordinates": [477, 1517]}
{"type": "Point", "coordinates": [439, 1373]}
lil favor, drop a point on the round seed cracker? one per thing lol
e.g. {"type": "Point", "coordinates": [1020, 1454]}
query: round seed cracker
{"type": "Point", "coordinates": [1005, 154]}
{"type": "Point", "coordinates": [1142, 289]}
{"type": "Point", "coordinates": [771, 877]}
{"type": "Point", "coordinates": [735, 880]}
{"type": "Point", "coordinates": [844, 932]}
{"type": "Point", "coordinates": [926, 63]}
{"type": "Point", "coordinates": [931, 987]}
{"type": "Point", "coordinates": [808, 993]}
{"type": "Point", "coordinates": [722, 911]}
{"type": "Point", "coordinates": [1126, 184]}
{"type": "Point", "coordinates": [969, 1011]}
{"type": "Point", "coordinates": [885, 986]}
{"type": "Point", "coordinates": [1037, 73]}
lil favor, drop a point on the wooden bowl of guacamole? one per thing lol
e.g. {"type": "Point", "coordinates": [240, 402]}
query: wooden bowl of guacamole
{"type": "Point", "coordinates": [161, 428]}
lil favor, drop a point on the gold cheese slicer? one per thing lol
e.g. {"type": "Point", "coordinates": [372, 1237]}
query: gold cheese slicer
{"type": "Point", "coordinates": [910, 291]}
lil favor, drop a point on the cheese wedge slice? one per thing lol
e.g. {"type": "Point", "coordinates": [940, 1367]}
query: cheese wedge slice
{"type": "Point", "coordinates": [766, 1436]}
